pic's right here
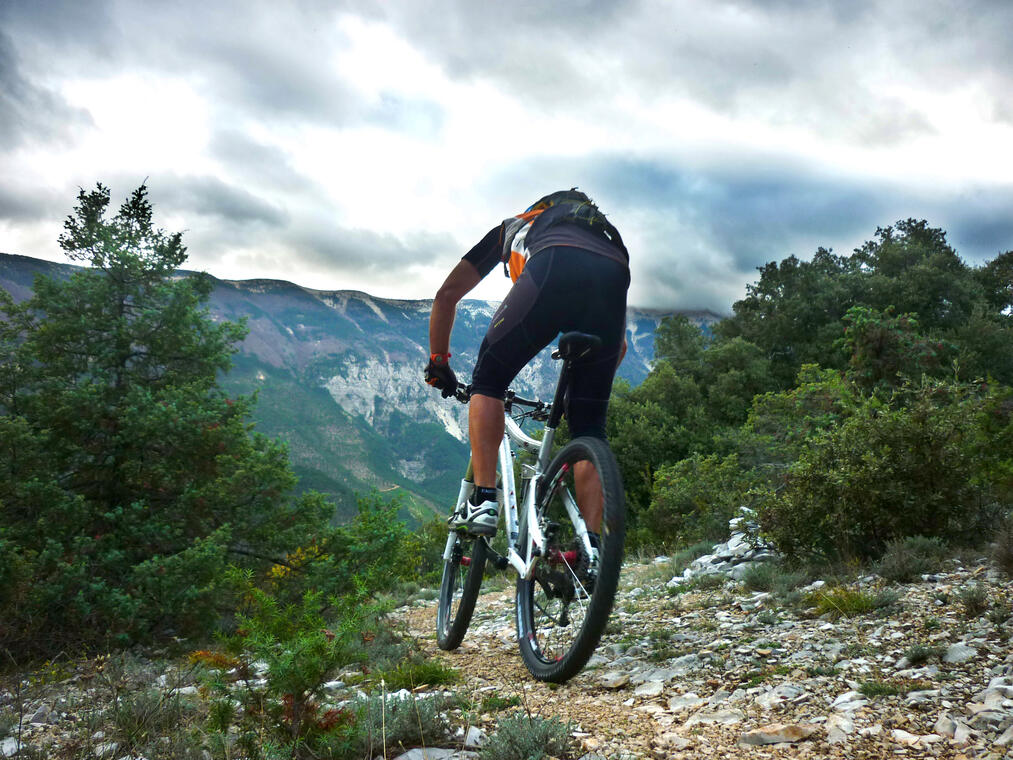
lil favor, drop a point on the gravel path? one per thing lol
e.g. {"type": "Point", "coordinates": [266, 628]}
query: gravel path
{"type": "Point", "coordinates": [720, 672]}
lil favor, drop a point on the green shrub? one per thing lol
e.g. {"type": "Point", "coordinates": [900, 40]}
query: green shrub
{"type": "Point", "coordinates": [974, 599]}
{"type": "Point", "coordinates": [1002, 551]}
{"type": "Point", "coordinates": [844, 602]}
{"type": "Point", "coordinates": [144, 716]}
{"type": "Point", "coordinates": [494, 702]}
{"type": "Point", "coordinates": [770, 576]}
{"type": "Point", "coordinates": [708, 582]}
{"type": "Point", "coordinates": [693, 500]}
{"type": "Point", "coordinates": [893, 469]}
{"type": "Point", "coordinates": [390, 726]}
{"type": "Point", "coordinates": [528, 737]}
{"type": "Point", "coordinates": [881, 688]}
{"type": "Point", "coordinates": [999, 613]}
{"type": "Point", "coordinates": [298, 652]}
{"type": "Point", "coordinates": [907, 559]}
{"type": "Point", "coordinates": [412, 673]}
{"type": "Point", "coordinates": [919, 654]}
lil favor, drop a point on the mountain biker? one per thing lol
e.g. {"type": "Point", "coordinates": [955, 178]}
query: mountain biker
{"type": "Point", "coordinates": [570, 270]}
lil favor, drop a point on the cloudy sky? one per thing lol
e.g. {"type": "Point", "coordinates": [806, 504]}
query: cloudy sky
{"type": "Point", "coordinates": [355, 145]}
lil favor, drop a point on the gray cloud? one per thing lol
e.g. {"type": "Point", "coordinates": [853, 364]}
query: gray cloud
{"type": "Point", "coordinates": [268, 58]}
{"type": "Point", "coordinates": [29, 112]}
{"type": "Point", "coordinates": [28, 203]}
{"type": "Point", "coordinates": [703, 231]}
{"type": "Point", "coordinates": [256, 163]}
{"type": "Point", "coordinates": [210, 196]}
{"type": "Point", "coordinates": [822, 65]}
{"type": "Point", "coordinates": [322, 244]}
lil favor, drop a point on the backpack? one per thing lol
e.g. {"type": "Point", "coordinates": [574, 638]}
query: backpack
{"type": "Point", "coordinates": [562, 207]}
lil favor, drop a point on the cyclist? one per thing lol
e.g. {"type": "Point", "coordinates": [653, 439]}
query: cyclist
{"type": "Point", "coordinates": [570, 271]}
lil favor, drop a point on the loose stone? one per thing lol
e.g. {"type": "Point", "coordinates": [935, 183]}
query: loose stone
{"type": "Point", "coordinates": [778, 733]}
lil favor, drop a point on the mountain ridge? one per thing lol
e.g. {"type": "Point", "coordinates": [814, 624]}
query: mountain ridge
{"type": "Point", "coordinates": [338, 374]}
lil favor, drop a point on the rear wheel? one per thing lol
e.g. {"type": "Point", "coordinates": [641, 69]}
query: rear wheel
{"type": "Point", "coordinates": [462, 580]}
{"type": "Point", "coordinates": [562, 611]}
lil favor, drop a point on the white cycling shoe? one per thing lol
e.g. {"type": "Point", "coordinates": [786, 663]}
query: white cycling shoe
{"type": "Point", "coordinates": [478, 520]}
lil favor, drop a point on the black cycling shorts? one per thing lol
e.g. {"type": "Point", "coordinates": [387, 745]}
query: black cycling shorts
{"type": "Point", "coordinates": [561, 289]}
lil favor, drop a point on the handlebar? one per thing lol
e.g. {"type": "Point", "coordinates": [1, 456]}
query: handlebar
{"type": "Point", "coordinates": [539, 409]}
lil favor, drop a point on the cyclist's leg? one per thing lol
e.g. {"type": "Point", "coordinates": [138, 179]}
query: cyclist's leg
{"type": "Point", "coordinates": [591, 385]}
{"type": "Point", "coordinates": [520, 328]}
{"type": "Point", "coordinates": [485, 431]}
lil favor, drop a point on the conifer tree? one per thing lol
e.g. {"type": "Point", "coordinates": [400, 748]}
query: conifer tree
{"type": "Point", "coordinates": [135, 479]}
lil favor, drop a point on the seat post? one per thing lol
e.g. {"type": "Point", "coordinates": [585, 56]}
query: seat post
{"type": "Point", "coordinates": [556, 414]}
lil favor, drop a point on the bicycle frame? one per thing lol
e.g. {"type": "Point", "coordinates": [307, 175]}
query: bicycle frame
{"type": "Point", "coordinates": [523, 559]}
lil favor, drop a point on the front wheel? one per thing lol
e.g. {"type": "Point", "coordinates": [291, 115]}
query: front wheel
{"type": "Point", "coordinates": [462, 580]}
{"type": "Point", "coordinates": [563, 610]}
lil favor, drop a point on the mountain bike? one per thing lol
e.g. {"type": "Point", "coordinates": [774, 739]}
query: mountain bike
{"type": "Point", "coordinates": [567, 575]}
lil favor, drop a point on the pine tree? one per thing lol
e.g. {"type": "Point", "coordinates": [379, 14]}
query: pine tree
{"type": "Point", "coordinates": [134, 480]}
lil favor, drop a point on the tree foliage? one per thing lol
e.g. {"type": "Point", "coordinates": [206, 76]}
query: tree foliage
{"type": "Point", "coordinates": [131, 479]}
{"type": "Point", "coordinates": [841, 399]}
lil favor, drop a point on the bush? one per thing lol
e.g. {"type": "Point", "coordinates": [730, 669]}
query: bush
{"type": "Point", "coordinates": [887, 472]}
{"type": "Point", "coordinates": [1002, 551]}
{"type": "Point", "coordinates": [891, 688]}
{"type": "Point", "coordinates": [919, 654]}
{"type": "Point", "coordinates": [844, 602]}
{"type": "Point", "coordinates": [907, 559]}
{"type": "Point", "coordinates": [412, 673]}
{"type": "Point", "coordinates": [694, 499]}
{"type": "Point", "coordinates": [395, 725]}
{"type": "Point", "coordinates": [520, 736]}
{"type": "Point", "coordinates": [770, 576]}
{"type": "Point", "coordinates": [974, 599]}
{"type": "Point", "coordinates": [284, 654]}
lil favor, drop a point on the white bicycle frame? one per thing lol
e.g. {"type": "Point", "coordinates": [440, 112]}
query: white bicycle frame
{"type": "Point", "coordinates": [524, 558]}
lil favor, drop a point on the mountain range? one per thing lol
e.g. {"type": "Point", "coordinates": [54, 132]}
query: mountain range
{"type": "Point", "coordinates": [338, 376]}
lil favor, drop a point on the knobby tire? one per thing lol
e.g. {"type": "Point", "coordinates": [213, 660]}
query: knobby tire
{"type": "Point", "coordinates": [459, 590]}
{"type": "Point", "coordinates": [560, 620]}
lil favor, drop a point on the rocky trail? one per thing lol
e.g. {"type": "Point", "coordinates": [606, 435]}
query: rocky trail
{"type": "Point", "coordinates": [693, 669]}
{"type": "Point", "coordinates": [693, 664]}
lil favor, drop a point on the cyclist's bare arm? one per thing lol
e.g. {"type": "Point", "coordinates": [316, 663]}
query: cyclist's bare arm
{"type": "Point", "coordinates": [461, 280]}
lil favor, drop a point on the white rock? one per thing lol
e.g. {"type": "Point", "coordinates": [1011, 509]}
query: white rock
{"type": "Point", "coordinates": [685, 663]}
{"type": "Point", "coordinates": [615, 679]}
{"type": "Point", "coordinates": [9, 746]}
{"type": "Point", "coordinates": [42, 716]}
{"type": "Point", "coordinates": [779, 695]}
{"type": "Point", "coordinates": [945, 726]}
{"type": "Point", "coordinates": [672, 741]}
{"type": "Point", "coordinates": [958, 653]}
{"type": "Point", "coordinates": [962, 734]}
{"type": "Point", "coordinates": [838, 728]}
{"type": "Point", "coordinates": [475, 737]}
{"type": "Point", "coordinates": [718, 697]}
{"type": "Point", "coordinates": [684, 702]}
{"type": "Point", "coordinates": [1006, 739]}
{"type": "Point", "coordinates": [720, 717]}
{"type": "Point", "coordinates": [849, 701]}
{"type": "Point", "coordinates": [106, 749]}
{"type": "Point", "coordinates": [429, 753]}
{"type": "Point", "coordinates": [649, 689]}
